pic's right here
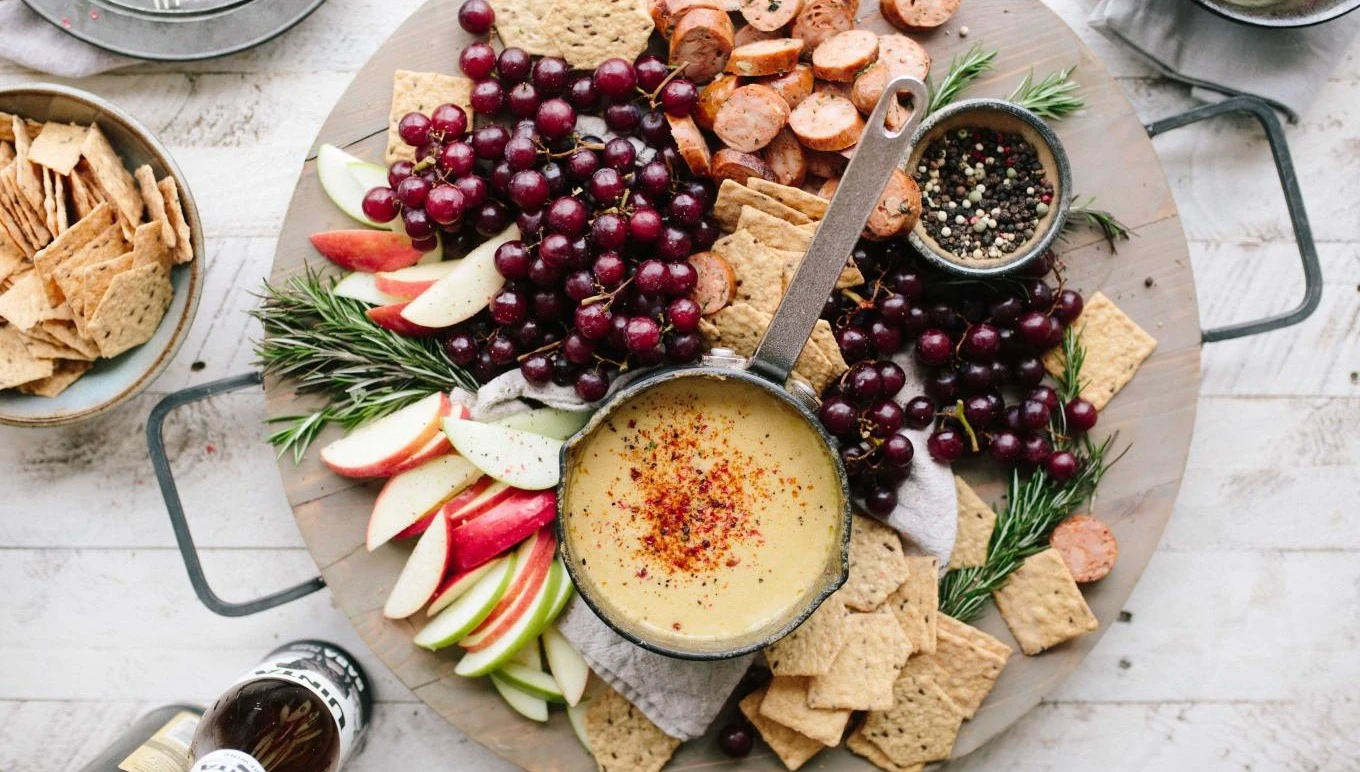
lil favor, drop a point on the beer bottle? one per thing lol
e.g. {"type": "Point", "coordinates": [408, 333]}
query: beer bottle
{"type": "Point", "coordinates": [303, 709]}
{"type": "Point", "coordinates": [157, 742]}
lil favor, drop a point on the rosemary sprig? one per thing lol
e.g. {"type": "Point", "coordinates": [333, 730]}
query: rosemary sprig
{"type": "Point", "coordinates": [1084, 213]}
{"type": "Point", "coordinates": [1074, 356]}
{"type": "Point", "coordinates": [328, 346]}
{"type": "Point", "coordinates": [963, 70]}
{"type": "Point", "coordinates": [1033, 509]}
{"type": "Point", "coordinates": [1052, 97]}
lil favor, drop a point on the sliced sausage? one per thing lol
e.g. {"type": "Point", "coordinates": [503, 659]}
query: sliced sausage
{"type": "Point", "coordinates": [820, 19]}
{"type": "Point", "coordinates": [748, 34]}
{"type": "Point", "coordinates": [896, 211]}
{"type": "Point", "coordinates": [867, 89]}
{"type": "Point", "coordinates": [903, 56]}
{"type": "Point", "coordinates": [712, 98]}
{"type": "Point", "coordinates": [918, 14]}
{"type": "Point", "coordinates": [833, 88]}
{"type": "Point", "coordinates": [701, 43]}
{"type": "Point", "coordinates": [821, 163]}
{"type": "Point", "coordinates": [825, 122]}
{"type": "Point", "coordinates": [665, 13]}
{"type": "Point", "coordinates": [841, 56]}
{"type": "Point", "coordinates": [794, 85]}
{"type": "Point", "coordinates": [770, 15]}
{"type": "Point", "coordinates": [751, 117]}
{"type": "Point", "coordinates": [1087, 547]}
{"type": "Point", "coordinates": [717, 282]}
{"type": "Point", "coordinates": [765, 57]}
{"type": "Point", "coordinates": [691, 144]}
{"type": "Point", "coordinates": [729, 164]}
{"type": "Point", "coordinates": [787, 159]}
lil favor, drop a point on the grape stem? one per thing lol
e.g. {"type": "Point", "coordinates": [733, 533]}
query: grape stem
{"type": "Point", "coordinates": [540, 350]}
{"type": "Point", "coordinates": [967, 427]}
{"type": "Point", "coordinates": [670, 76]}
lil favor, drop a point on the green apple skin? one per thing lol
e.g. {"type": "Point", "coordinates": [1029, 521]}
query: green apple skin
{"type": "Point", "coordinates": [462, 617]}
{"type": "Point", "coordinates": [529, 626]}
{"type": "Point", "coordinates": [532, 682]}
{"type": "Point", "coordinates": [569, 668]}
{"type": "Point", "coordinates": [576, 714]}
{"type": "Point", "coordinates": [526, 705]}
{"type": "Point", "coordinates": [346, 180]}
{"type": "Point", "coordinates": [547, 421]}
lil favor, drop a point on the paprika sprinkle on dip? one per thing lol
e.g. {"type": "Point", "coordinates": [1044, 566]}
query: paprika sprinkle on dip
{"type": "Point", "coordinates": [698, 511]}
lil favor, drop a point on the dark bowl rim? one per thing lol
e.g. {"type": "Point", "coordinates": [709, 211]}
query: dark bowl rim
{"type": "Point", "coordinates": [195, 266]}
{"type": "Point", "coordinates": [719, 372]}
{"type": "Point", "coordinates": [1332, 13]}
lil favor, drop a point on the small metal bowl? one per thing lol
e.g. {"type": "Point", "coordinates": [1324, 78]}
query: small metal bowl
{"type": "Point", "coordinates": [1283, 14]}
{"type": "Point", "coordinates": [111, 382]}
{"type": "Point", "coordinates": [999, 115]}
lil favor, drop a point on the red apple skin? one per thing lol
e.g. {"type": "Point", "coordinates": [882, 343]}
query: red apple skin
{"type": "Point", "coordinates": [401, 289]}
{"type": "Point", "coordinates": [436, 447]}
{"type": "Point", "coordinates": [389, 317]}
{"type": "Point", "coordinates": [459, 512]}
{"type": "Point", "coordinates": [365, 250]}
{"type": "Point", "coordinates": [452, 505]}
{"type": "Point", "coordinates": [445, 586]}
{"type": "Point", "coordinates": [442, 568]}
{"type": "Point", "coordinates": [388, 465]}
{"type": "Point", "coordinates": [519, 596]}
{"type": "Point", "coordinates": [508, 523]}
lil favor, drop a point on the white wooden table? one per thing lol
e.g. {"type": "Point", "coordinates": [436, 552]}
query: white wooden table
{"type": "Point", "coordinates": [1237, 650]}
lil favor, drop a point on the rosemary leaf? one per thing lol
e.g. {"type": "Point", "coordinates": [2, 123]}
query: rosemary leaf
{"type": "Point", "coordinates": [1074, 356]}
{"type": "Point", "coordinates": [1053, 97]}
{"type": "Point", "coordinates": [1084, 213]}
{"type": "Point", "coordinates": [963, 71]}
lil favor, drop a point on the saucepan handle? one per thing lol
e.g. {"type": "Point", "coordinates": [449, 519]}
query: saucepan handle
{"type": "Point", "coordinates": [1293, 199]}
{"type": "Point", "coordinates": [880, 152]}
{"type": "Point", "coordinates": [155, 440]}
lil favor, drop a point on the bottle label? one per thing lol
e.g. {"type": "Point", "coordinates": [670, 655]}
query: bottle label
{"type": "Point", "coordinates": [228, 761]}
{"type": "Point", "coordinates": [328, 673]}
{"type": "Point", "coordinates": [167, 750]}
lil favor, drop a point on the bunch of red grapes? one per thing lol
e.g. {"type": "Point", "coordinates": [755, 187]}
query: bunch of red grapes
{"type": "Point", "coordinates": [980, 342]}
{"type": "Point", "coordinates": [598, 280]}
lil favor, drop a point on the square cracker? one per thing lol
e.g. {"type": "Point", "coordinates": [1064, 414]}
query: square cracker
{"type": "Point", "coordinates": [1115, 347]}
{"type": "Point", "coordinates": [975, 636]}
{"type": "Point", "coordinates": [772, 231]}
{"type": "Point", "coordinates": [622, 738]}
{"type": "Point", "coordinates": [877, 564]}
{"type": "Point", "coordinates": [850, 275]}
{"type": "Point", "coordinates": [26, 177]}
{"type": "Point", "coordinates": [155, 203]}
{"type": "Point", "coordinates": [757, 270]}
{"type": "Point", "coordinates": [920, 727]}
{"type": "Point", "coordinates": [519, 23]}
{"type": "Point", "coordinates": [107, 170]}
{"type": "Point", "coordinates": [421, 92]}
{"type": "Point", "coordinates": [82, 197]}
{"type": "Point", "coordinates": [63, 214]}
{"type": "Point", "coordinates": [739, 327]}
{"type": "Point", "coordinates": [27, 215]}
{"type": "Point", "coordinates": [821, 361]}
{"type": "Point", "coordinates": [810, 204]}
{"type": "Point", "coordinates": [42, 348]}
{"type": "Point", "coordinates": [965, 671]}
{"type": "Point", "coordinates": [65, 372]}
{"type": "Point", "coordinates": [57, 147]}
{"type": "Point", "coordinates": [792, 748]}
{"type": "Point", "coordinates": [25, 303]}
{"type": "Point", "coordinates": [976, 522]}
{"type": "Point", "coordinates": [862, 675]}
{"type": "Point", "coordinates": [811, 648]}
{"type": "Point", "coordinates": [589, 31]}
{"type": "Point", "coordinates": [49, 202]}
{"type": "Point", "coordinates": [92, 282]}
{"type": "Point", "coordinates": [860, 745]}
{"type": "Point", "coordinates": [915, 603]}
{"type": "Point", "coordinates": [69, 334]}
{"type": "Point", "coordinates": [1042, 605]}
{"type": "Point", "coordinates": [132, 309]}
{"type": "Point", "coordinates": [6, 153]}
{"type": "Point", "coordinates": [149, 247]}
{"type": "Point", "coordinates": [786, 703]}
{"type": "Point", "coordinates": [96, 230]}
{"type": "Point", "coordinates": [183, 251]}
{"type": "Point", "coordinates": [732, 196]}
{"type": "Point", "coordinates": [17, 366]}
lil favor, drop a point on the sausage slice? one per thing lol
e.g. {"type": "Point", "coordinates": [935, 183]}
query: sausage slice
{"type": "Point", "coordinates": [903, 56]}
{"type": "Point", "coordinates": [896, 211]}
{"type": "Point", "coordinates": [868, 87]}
{"type": "Point", "coordinates": [665, 13]}
{"type": "Point", "coordinates": [820, 19]}
{"type": "Point", "coordinates": [717, 282]}
{"type": "Point", "coordinates": [748, 34]}
{"type": "Point", "coordinates": [1087, 547]}
{"type": "Point", "coordinates": [751, 117]}
{"type": "Point", "coordinates": [729, 164]}
{"type": "Point", "coordinates": [691, 144]}
{"type": "Point", "coordinates": [712, 98]}
{"type": "Point", "coordinates": [701, 43]}
{"type": "Point", "coordinates": [765, 57]}
{"type": "Point", "coordinates": [918, 14]}
{"type": "Point", "coordinates": [841, 56]}
{"type": "Point", "coordinates": [822, 163]}
{"type": "Point", "coordinates": [786, 158]}
{"type": "Point", "coordinates": [770, 15]}
{"type": "Point", "coordinates": [794, 85]}
{"type": "Point", "coordinates": [825, 122]}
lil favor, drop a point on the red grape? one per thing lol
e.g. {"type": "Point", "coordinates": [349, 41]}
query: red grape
{"type": "Point", "coordinates": [679, 97]}
{"type": "Point", "coordinates": [943, 385]}
{"type": "Point", "coordinates": [449, 121]}
{"type": "Point", "coordinates": [555, 118]}
{"type": "Point", "coordinates": [1081, 415]}
{"type": "Point", "coordinates": [491, 218]}
{"type": "Point", "coordinates": [555, 250]}
{"type": "Point", "coordinates": [414, 129]}
{"type": "Point", "coordinates": [1005, 447]}
{"type": "Point", "coordinates": [609, 231]}
{"type": "Point", "coordinates": [1027, 371]}
{"type": "Point", "coordinates": [655, 178]}
{"type": "Point", "coordinates": [933, 347]}
{"type": "Point", "coordinates": [1035, 449]}
{"type": "Point", "coordinates": [674, 243]}
{"type": "Point", "coordinates": [684, 347]}
{"type": "Point", "coordinates": [650, 277]}
{"type": "Point", "coordinates": [577, 349]}
{"type": "Point", "coordinates": [945, 445]}
{"type": "Point", "coordinates": [536, 368]}
{"type": "Point", "coordinates": [566, 215]}
{"type": "Point", "coordinates": [550, 75]}
{"type": "Point", "coordinates": [704, 234]}
{"type": "Point", "coordinates": [1034, 330]}
{"type": "Point", "coordinates": [582, 94]}
{"type": "Point", "coordinates": [522, 100]}
{"type": "Point", "coordinates": [862, 383]}
{"type": "Point", "coordinates": [885, 417]}
{"type": "Point", "coordinates": [853, 343]}
{"type": "Point", "coordinates": [609, 269]}
{"type": "Point", "coordinates": [641, 334]}
{"type": "Point", "coordinates": [509, 307]}
{"type": "Point", "coordinates": [582, 163]}
{"type": "Point", "coordinates": [685, 209]}
{"type": "Point", "coordinates": [513, 65]}
{"type": "Point", "coordinates": [380, 204]}
{"type": "Point", "coordinates": [622, 118]}
{"type": "Point", "coordinates": [650, 72]}
{"type": "Point", "coordinates": [981, 343]}
{"type": "Point", "coordinates": [1046, 395]}
{"type": "Point", "coordinates": [615, 79]}
{"type": "Point", "coordinates": [412, 192]}
{"type": "Point", "coordinates": [683, 313]}
{"type": "Point", "coordinates": [619, 154]}
{"type": "Point", "coordinates": [681, 278]}
{"type": "Point", "coordinates": [592, 385]}
{"type": "Point", "coordinates": [477, 61]}
{"type": "Point", "coordinates": [1038, 295]}
{"type": "Point", "coordinates": [654, 129]}
{"type": "Point", "coordinates": [1034, 415]}
{"type": "Point", "coordinates": [399, 171]}
{"type": "Point", "coordinates": [445, 204]}
{"type": "Point", "coordinates": [892, 376]}
{"type": "Point", "coordinates": [593, 321]}
{"type": "Point", "coordinates": [898, 450]}
{"type": "Point", "coordinates": [474, 190]}
{"type": "Point", "coordinates": [606, 187]}
{"type": "Point", "coordinates": [417, 224]}
{"type": "Point", "coordinates": [840, 417]}
{"type": "Point", "coordinates": [513, 259]}
{"type": "Point", "coordinates": [528, 190]}
{"type": "Point", "coordinates": [489, 142]}
{"type": "Point", "coordinates": [487, 97]}
{"type": "Point", "coordinates": [579, 285]}
{"type": "Point", "coordinates": [975, 377]}
{"type": "Point", "coordinates": [461, 348]}
{"type": "Point", "coordinates": [520, 153]}
{"type": "Point", "coordinates": [887, 338]}
{"type": "Point", "coordinates": [456, 159]}
{"type": "Point", "coordinates": [476, 16]}
{"type": "Point", "coordinates": [880, 500]}
{"type": "Point", "coordinates": [1061, 466]}
{"type": "Point", "coordinates": [1006, 311]}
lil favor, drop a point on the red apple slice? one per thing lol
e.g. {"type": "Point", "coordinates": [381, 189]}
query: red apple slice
{"type": "Point", "coordinates": [460, 510]}
{"type": "Point", "coordinates": [457, 585]}
{"type": "Point", "coordinates": [436, 447]}
{"type": "Point", "coordinates": [375, 449]}
{"type": "Point", "coordinates": [367, 250]}
{"type": "Point", "coordinates": [502, 527]}
{"type": "Point", "coordinates": [409, 282]}
{"type": "Point", "coordinates": [389, 317]}
{"type": "Point", "coordinates": [424, 569]}
{"type": "Point", "coordinates": [412, 495]}
{"type": "Point", "coordinates": [541, 547]}
{"type": "Point", "coordinates": [453, 505]}
{"type": "Point", "coordinates": [465, 290]}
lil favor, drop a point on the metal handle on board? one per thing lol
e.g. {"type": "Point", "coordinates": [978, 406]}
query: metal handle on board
{"type": "Point", "coordinates": [1293, 199]}
{"type": "Point", "coordinates": [155, 440]}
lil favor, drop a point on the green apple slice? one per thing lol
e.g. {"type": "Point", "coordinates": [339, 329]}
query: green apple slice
{"type": "Point", "coordinates": [547, 421]}
{"type": "Point", "coordinates": [535, 618]}
{"type": "Point", "coordinates": [569, 668]}
{"type": "Point", "coordinates": [361, 286]}
{"type": "Point", "coordinates": [347, 179]}
{"type": "Point", "coordinates": [522, 459]}
{"type": "Point", "coordinates": [576, 714]}
{"type": "Point", "coordinates": [465, 290]}
{"type": "Point", "coordinates": [463, 616]}
{"type": "Point", "coordinates": [564, 594]}
{"type": "Point", "coordinates": [530, 656]}
{"type": "Point", "coordinates": [527, 705]}
{"type": "Point", "coordinates": [532, 682]}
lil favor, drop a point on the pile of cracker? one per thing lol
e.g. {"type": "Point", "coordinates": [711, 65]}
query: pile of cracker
{"type": "Point", "coordinates": [584, 32]}
{"type": "Point", "coordinates": [769, 229]}
{"type": "Point", "coordinates": [86, 249]}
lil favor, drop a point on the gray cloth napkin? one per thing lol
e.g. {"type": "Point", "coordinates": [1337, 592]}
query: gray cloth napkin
{"type": "Point", "coordinates": [1285, 67]}
{"type": "Point", "coordinates": [28, 40]}
{"type": "Point", "coordinates": [683, 697]}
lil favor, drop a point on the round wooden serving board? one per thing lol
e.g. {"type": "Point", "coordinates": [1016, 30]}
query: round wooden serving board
{"type": "Point", "coordinates": [1150, 278]}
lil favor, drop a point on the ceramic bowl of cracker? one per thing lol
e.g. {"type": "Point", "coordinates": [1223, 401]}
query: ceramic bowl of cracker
{"type": "Point", "coordinates": [101, 256]}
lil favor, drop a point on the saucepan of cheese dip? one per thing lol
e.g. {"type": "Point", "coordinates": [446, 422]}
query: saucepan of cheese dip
{"type": "Point", "coordinates": [703, 511]}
